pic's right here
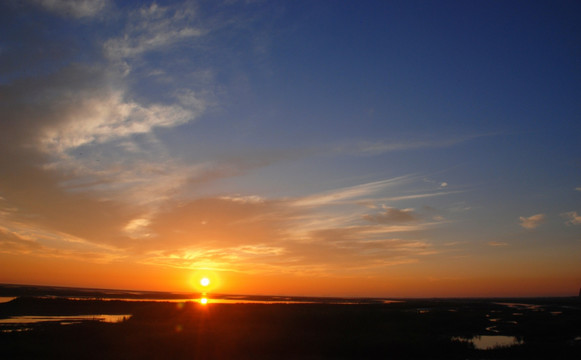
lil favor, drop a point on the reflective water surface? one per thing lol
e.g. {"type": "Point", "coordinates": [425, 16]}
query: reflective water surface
{"type": "Point", "coordinates": [64, 319]}
{"type": "Point", "coordinates": [244, 300]}
{"type": "Point", "coordinates": [485, 342]}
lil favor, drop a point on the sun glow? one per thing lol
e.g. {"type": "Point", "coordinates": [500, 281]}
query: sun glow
{"type": "Point", "coordinates": [205, 282]}
{"type": "Point", "coordinates": [203, 301]}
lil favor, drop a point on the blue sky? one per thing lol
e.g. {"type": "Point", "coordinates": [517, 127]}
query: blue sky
{"type": "Point", "coordinates": [436, 142]}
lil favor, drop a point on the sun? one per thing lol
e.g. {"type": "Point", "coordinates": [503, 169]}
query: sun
{"type": "Point", "coordinates": [205, 282]}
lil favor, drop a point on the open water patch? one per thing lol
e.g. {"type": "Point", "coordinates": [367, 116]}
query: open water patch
{"type": "Point", "coordinates": [25, 322]}
{"type": "Point", "coordinates": [487, 342]}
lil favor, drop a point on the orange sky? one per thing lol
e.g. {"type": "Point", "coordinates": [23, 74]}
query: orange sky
{"type": "Point", "coordinates": [402, 280]}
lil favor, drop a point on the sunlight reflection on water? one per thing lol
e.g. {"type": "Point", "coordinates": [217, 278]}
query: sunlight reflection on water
{"type": "Point", "coordinates": [485, 342]}
{"type": "Point", "coordinates": [64, 319]}
{"type": "Point", "coordinates": [237, 299]}
{"type": "Point", "coordinates": [208, 300]}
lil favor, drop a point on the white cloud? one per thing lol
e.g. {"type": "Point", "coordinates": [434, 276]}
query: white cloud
{"type": "Point", "coordinates": [99, 141]}
{"type": "Point", "coordinates": [350, 192]}
{"type": "Point", "coordinates": [152, 28]}
{"type": "Point", "coordinates": [138, 228]}
{"type": "Point", "coordinates": [572, 218]}
{"type": "Point", "coordinates": [74, 8]}
{"type": "Point", "coordinates": [532, 222]}
{"type": "Point", "coordinates": [418, 196]}
{"type": "Point", "coordinates": [108, 116]}
{"type": "Point", "coordinates": [249, 199]}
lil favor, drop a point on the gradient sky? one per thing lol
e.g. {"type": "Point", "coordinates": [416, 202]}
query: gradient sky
{"type": "Point", "coordinates": [328, 148]}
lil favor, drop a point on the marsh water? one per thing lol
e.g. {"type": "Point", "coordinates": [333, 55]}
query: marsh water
{"type": "Point", "coordinates": [63, 319]}
{"type": "Point", "coordinates": [485, 342]}
{"type": "Point", "coordinates": [266, 326]}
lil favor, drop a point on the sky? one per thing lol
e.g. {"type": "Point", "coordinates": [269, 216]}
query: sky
{"type": "Point", "coordinates": [322, 148]}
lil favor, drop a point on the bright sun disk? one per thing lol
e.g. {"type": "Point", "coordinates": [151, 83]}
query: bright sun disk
{"type": "Point", "coordinates": [205, 282]}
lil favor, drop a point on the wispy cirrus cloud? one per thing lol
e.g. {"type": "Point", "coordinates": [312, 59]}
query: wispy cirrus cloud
{"type": "Point", "coordinates": [318, 258]}
{"type": "Point", "coordinates": [86, 128]}
{"type": "Point", "coordinates": [420, 196]}
{"type": "Point", "coordinates": [372, 148]}
{"type": "Point", "coordinates": [74, 8]}
{"type": "Point", "coordinates": [392, 215]}
{"type": "Point", "coordinates": [89, 135]}
{"type": "Point", "coordinates": [152, 28]}
{"type": "Point", "coordinates": [349, 193]}
{"type": "Point", "coordinates": [22, 236]}
{"type": "Point", "coordinates": [531, 222]}
{"type": "Point", "coordinates": [86, 145]}
{"type": "Point", "coordinates": [248, 233]}
{"type": "Point", "coordinates": [108, 116]}
{"type": "Point", "coordinates": [13, 243]}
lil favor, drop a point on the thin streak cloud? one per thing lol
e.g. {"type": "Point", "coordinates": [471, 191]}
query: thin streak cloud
{"type": "Point", "coordinates": [152, 28]}
{"type": "Point", "coordinates": [75, 8]}
{"type": "Point", "coordinates": [351, 192]}
{"type": "Point", "coordinates": [368, 148]}
{"type": "Point", "coordinates": [420, 196]}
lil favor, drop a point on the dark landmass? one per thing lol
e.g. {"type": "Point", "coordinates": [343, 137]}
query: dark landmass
{"type": "Point", "coordinates": [15, 290]}
{"type": "Point", "coordinates": [549, 328]}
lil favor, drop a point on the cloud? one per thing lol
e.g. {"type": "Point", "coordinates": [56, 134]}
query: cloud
{"type": "Point", "coordinates": [219, 222]}
{"type": "Point", "coordinates": [350, 250]}
{"type": "Point", "coordinates": [71, 162]}
{"type": "Point", "coordinates": [74, 8]}
{"type": "Point", "coordinates": [95, 176]}
{"type": "Point", "coordinates": [12, 243]}
{"type": "Point", "coordinates": [497, 243]}
{"type": "Point", "coordinates": [532, 222]}
{"type": "Point", "coordinates": [256, 234]}
{"type": "Point", "coordinates": [578, 188]}
{"type": "Point", "coordinates": [351, 192]}
{"type": "Point", "coordinates": [419, 196]}
{"type": "Point", "coordinates": [392, 215]}
{"type": "Point", "coordinates": [21, 236]}
{"type": "Point", "coordinates": [253, 199]}
{"type": "Point", "coordinates": [322, 256]}
{"type": "Point", "coordinates": [153, 28]}
{"type": "Point", "coordinates": [108, 116]}
{"type": "Point", "coordinates": [80, 127]}
{"type": "Point", "coordinates": [572, 218]}
{"type": "Point", "coordinates": [368, 148]}
{"type": "Point", "coordinates": [137, 228]}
